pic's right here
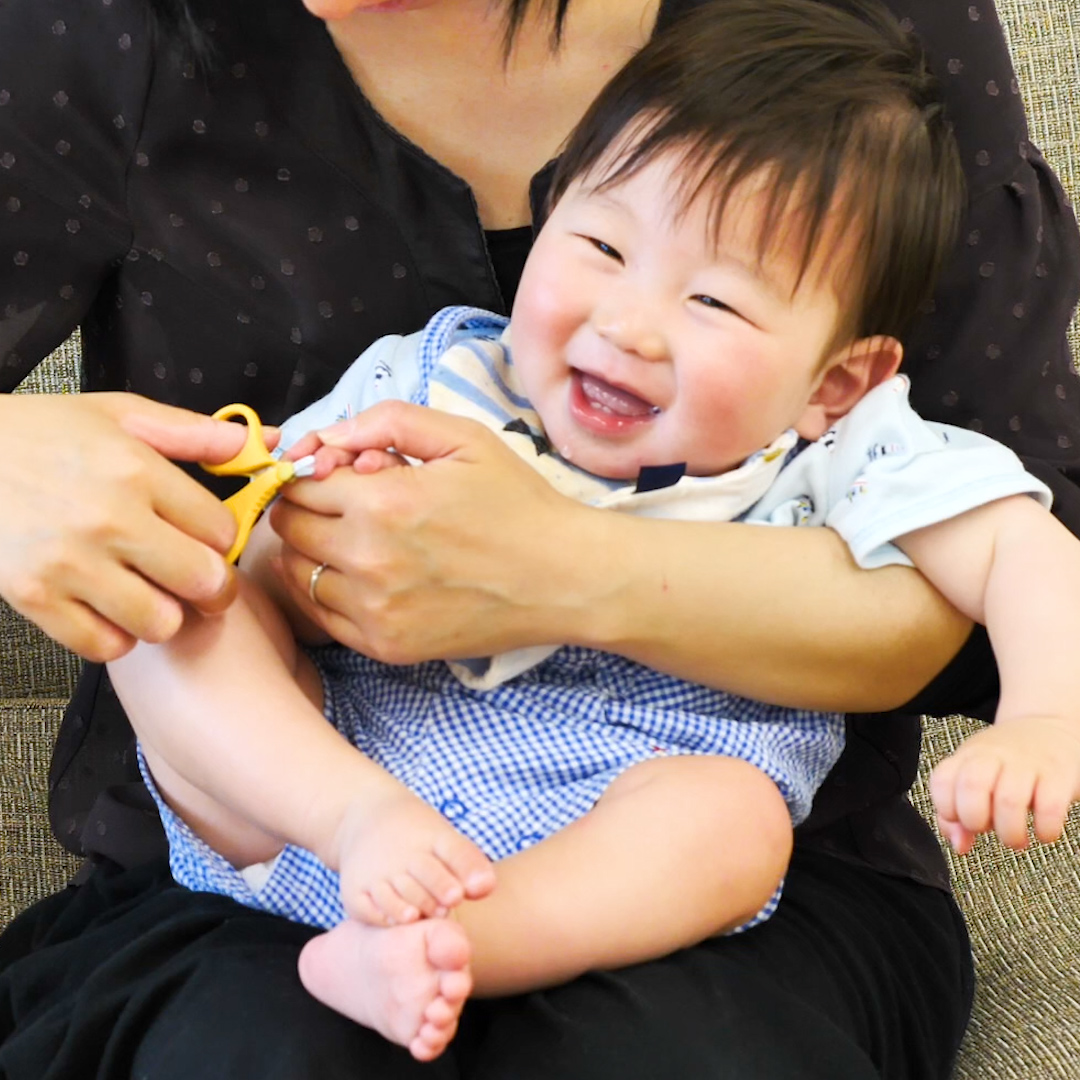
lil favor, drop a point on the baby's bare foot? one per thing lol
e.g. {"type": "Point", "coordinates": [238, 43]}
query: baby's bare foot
{"type": "Point", "coordinates": [409, 983]}
{"type": "Point", "coordinates": [401, 860]}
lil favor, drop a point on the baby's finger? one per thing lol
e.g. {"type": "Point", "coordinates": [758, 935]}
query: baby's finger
{"type": "Point", "coordinates": [974, 787]}
{"type": "Point", "coordinates": [962, 840]}
{"type": "Point", "coordinates": [329, 458]}
{"type": "Point", "coordinates": [1050, 806]}
{"type": "Point", "coordinates": [305, 445]}
{"type": "Point", "coordinates": [943, 788]}
{"type": "Point", "coordinates": [1014, 793]}
{"type": "Point", "coordinates": [372, 461]}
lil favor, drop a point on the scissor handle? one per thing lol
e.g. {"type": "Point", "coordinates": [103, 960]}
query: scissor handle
{"type": "Point", "coordinates": [253, 498]}
{"type": "Point", "coordinates": [254, 454]}
{"type": "Point", "coordinates": [267, 475]}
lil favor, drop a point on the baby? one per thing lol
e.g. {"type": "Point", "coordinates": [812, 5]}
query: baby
{"type": "Point", "coordinates": [707, 327]}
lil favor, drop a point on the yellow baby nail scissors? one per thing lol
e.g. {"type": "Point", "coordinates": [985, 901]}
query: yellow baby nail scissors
{"type": "Point", "coordinates": [268, 475]}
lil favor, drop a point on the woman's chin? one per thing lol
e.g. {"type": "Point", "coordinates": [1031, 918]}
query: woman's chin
{"type": "Point", "coordinates": [341, 9]}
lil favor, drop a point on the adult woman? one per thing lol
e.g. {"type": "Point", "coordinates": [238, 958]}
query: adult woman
{"type": "Point", "coordinates": [259, 191]}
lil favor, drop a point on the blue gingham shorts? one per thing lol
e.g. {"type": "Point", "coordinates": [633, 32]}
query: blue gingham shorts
{"type": "Point", "coordinates": [513, 765]}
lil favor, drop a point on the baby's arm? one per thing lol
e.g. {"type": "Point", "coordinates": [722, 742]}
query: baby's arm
{"type": "Point", "coordinates": [1013, 567]}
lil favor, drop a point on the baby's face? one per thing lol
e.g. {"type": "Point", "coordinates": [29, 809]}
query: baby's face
{"type": "Point", "coordinates": [641, 340]}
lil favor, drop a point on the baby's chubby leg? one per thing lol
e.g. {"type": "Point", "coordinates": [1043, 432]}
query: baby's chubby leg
{"type": "Point", "coordinates": [229, 716]}
{"type": "Point", "coordinates": [197, 678]}
{"type": "Point", "coordinates": [677, 850]}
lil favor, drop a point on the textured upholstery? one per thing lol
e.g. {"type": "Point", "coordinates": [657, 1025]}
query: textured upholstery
{"type": "Point", "coordinates": [1023, 909]}
{"type": "Point", "coordinates": [1023, 914]}
{"type": "Point", "coordinates": [36, 677]}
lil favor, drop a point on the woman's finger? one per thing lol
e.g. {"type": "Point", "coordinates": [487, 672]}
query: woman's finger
{"type": "Point", "coordinates": [174, 432]}
{"type": "Point", "coordinates": [127, 600]}
{"type": "Point", "coordinates": [296, 573]}
{"type": "Point", "coordinates": [100, 533]}
{"type": "Point", "coordinates": [412, 430]}
{"type": "Point", "coordinates": [314, 534]}
{"type": "Point", "coordinates": [84, 631]}
{"type": "Point", "coordinates": [192, 511]}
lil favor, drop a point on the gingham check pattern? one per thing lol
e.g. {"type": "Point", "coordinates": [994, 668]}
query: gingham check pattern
{"type": "Point", "coordinates": [443, 329]}
{"type": "Point", "coordinates": [513, 765]}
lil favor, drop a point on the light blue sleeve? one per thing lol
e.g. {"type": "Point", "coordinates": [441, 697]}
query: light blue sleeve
{"type": "Point", "coordinates": [387, 370]}
{"type": "Point", "coordinates": [883, 471]}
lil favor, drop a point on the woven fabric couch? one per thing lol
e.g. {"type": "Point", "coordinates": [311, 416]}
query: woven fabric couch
{"type": "Point", "coordinates": [1023, 909]}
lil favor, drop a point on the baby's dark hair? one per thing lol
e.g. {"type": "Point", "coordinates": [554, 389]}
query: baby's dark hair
{"type": "Point", "coordinates": [827, 107]}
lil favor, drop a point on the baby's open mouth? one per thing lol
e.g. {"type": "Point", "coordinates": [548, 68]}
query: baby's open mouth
{"type": "Point", "coordinates": [604, 397]}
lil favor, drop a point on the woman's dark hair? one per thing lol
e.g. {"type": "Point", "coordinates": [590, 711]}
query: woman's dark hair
{"type": "Point", "coordinates": [828, 108]}
{"type": "Point", "coordinates": [515, 15]}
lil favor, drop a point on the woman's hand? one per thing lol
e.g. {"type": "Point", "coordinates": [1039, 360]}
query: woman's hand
{"type": "Point", "coordinates": [473, 553]}
{"type": "Point", "coordinates": [455, 557]}
{"type": "Point", "coordinates": [101, 537]}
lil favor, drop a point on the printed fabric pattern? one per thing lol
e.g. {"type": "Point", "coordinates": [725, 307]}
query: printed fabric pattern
{"type": "Point", "coordinates": [512, 758]}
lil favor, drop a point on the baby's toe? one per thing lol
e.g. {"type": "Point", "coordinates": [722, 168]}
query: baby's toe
{"type": "Point", "coordinates": [438, 881]}
{"type": "Point", "coordinates": [431, 1041]}
{"type": "Point", "coordinates": [468, 864]}
{"type": "Point", "coordinates": [395, 907]}
{"type": "Point", "coordinates": [416, 894]}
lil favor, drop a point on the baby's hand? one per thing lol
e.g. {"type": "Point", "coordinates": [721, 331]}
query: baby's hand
{"type": "Point", "coordinates": [400, 860]}
{"type": "Point", "coordinates": [328, 458]}
{"type": "Point", "coordinates": [1002, 772]}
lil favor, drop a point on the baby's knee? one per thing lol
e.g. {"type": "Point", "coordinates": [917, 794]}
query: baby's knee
{"type": "Point", "coordinates": [730, 821]}
{"type": "Point", "coordinates": [735, 790]}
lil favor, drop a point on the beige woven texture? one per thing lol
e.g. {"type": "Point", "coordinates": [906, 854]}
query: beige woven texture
{"type": "Point", "coordinates": [36, 678]}
{"type": "Point", "coordinates": [1023, 910]}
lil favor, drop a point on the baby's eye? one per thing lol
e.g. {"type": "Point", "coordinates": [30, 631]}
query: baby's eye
{"type": "Point", "coordinates": [712, 302]}
{"type": "Point", "coordinates": [604, 248]}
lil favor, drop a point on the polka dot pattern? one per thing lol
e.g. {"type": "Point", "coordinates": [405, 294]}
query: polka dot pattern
{"type": "Point", "coordinates": [1016, 270]}
{"type": "Point", "coordinates": [245, 237]}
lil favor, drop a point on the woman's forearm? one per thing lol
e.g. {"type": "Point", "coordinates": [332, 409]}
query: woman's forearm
{"type": "Point", "coordinates": [780, 614]}
{"type": "Point", "coordinates": [473, 553]}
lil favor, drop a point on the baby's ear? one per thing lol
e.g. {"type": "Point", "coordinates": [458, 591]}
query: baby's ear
{"type": "Point", "coordinates": [846, 377]}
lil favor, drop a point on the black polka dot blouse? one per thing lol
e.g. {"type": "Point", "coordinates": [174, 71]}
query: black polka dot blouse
{"type": "Point", "coordinates": [241, 229]}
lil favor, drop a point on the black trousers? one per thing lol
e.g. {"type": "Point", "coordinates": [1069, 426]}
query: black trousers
{"type": "Point", "coordinates": [858, 975]}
